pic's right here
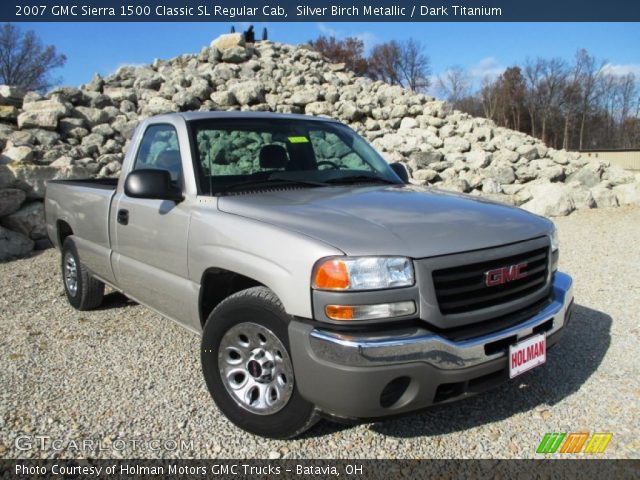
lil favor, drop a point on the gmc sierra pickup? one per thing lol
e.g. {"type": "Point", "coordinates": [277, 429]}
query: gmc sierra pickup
{"type": "Point", "coordinates": [322, 283]}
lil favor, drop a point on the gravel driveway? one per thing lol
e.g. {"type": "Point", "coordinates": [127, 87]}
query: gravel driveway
{"type": "Point", "coordinates": [123, 377]}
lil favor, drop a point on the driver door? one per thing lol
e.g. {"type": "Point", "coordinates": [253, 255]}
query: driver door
{"type": "Point", "coordinates": [150, 244]}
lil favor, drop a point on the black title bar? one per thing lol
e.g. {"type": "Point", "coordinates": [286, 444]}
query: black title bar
{"type": "Point", "coordinates": [318, 469]}
{"type": "Point", "coordinates": [319, 11]}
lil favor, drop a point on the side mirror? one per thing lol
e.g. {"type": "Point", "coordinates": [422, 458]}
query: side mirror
{"type": "Point", "coordinates": [151, 183]}
{"type": "Point", "coordinates": [400, 170]}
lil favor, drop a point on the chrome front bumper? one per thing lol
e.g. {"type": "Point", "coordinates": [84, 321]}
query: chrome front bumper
{"type": "Point", "coordinates": [424, 346]}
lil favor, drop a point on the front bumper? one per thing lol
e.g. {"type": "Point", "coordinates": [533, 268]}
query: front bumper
{"type": "Point", "coordinates": [370, 376]}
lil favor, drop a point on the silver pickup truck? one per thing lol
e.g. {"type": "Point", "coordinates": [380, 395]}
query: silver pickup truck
{"type": "Point", "coordinates": [322, 283]}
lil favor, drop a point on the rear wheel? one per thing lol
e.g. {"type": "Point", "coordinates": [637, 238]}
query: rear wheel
{"type": "Point", "coordinates": [83, 291]}
{"type": "Point", "coordinates": [247, 366]}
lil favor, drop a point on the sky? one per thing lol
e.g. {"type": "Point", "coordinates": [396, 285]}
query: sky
{"type": "Point", "coordinates": [481, 48]}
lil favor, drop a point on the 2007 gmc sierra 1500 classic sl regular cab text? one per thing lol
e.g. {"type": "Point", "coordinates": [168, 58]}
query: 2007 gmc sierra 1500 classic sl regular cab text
{"type": "Point", "coordinates": [322, 282]}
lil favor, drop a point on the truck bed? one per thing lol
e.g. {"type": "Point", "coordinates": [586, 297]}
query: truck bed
{"type": "Point", "coordinates": [83, 206]}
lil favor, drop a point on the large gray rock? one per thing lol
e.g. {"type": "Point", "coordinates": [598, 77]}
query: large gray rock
{"type": "Point", "coordinates": [478, 159]}
{"type": "Point", "coordinates": [604, 197]}
{"type": "Point", "coordinates": [456, 144]}
{"type": "Point", "coordinates": [303, 97]}
{"type": "Point", "coordinates": [554, 173]}
{"type": "Point", "coordinates": [585, 176]}
{"type": "Point", "coordinates": [43, 119]}
{"type": "Point", "coordinates": [7, 178]}
{"type": "Point", "coordinates": [616, 175]}
{"type": "Point", "coordinates": [530, 152]}
{"type": "Point", "coordinates": [23, 138]}
{"type": "Point", "coordinates": [319, 108]}
{"type": "Point", "coordinates": [505, 156]}
{"type": "Point", "coordinates": [628, 194]}
{"type": "Point", "coordinates": [8, 113]}
{"type": "Point", "coordinates": [13, 245]}
{"type": "Point", "coordinates": [119, 94]}
{"type": "Point", "coordinates": [159, 105]}
{"type": "Point", "coordinates": [29, 221]}
{"type": "Point", "coordinates": [12, 96]}
{"type": "Point", "coordinates": [91, 116]}
{"type": "Point", "coordinates": [229, 40]}
{"type": "Point", "coordinates": [35, 177]}
{"type": "Point", "coordinates": [248, 93]}
{"type": "Point", "coordinates": [186, 100]}
{"type": "Point", "coordinates": [419, 160]}
{"type": "Point", "coordinates": [223, 99]}
{"type": "Point", "coordinates": [503, 174]}
{"type": "Point", "coordinates": [425, 175]}
{"type": "Point", "coordinates": [550, 200]}
{"type": "Point", "coordinates": [43, 114]}
{"type": "Point", "coordinates": [582, 197]}
{"type": "Point", "coordinates": [491, 186]}
{"type": "Point", "coordinates": [16, 154]}
{"type": "Point", "coordinates": [10, 200]}
{"type": "Point", "coordinates": [236, 54]}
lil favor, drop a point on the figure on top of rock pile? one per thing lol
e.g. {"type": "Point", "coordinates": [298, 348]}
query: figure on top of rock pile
{"type": "Point", "coordinates": [249, 35]}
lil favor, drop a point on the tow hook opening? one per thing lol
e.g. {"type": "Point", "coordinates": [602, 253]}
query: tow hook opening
{"type": "Point", "coordinates": [393, 391]}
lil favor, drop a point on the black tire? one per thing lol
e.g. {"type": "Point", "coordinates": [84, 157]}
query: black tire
{"type": "Point", "coordinates": [254, 306]}
{"type": "Point", "coordinates": [88, 292]}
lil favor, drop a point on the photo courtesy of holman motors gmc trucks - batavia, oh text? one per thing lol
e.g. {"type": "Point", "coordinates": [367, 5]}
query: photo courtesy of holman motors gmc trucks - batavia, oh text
{"type": "Point", "coordinates": [322, 282]}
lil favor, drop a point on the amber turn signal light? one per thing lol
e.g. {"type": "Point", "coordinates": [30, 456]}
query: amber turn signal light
{"type": "Point", "coordinates": [331, 275]}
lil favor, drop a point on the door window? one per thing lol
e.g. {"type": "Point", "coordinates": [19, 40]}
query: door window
{"type": "Point", "coordinates": [159, 149]}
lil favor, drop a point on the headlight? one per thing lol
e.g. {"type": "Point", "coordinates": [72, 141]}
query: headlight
{"type": "Point", "coordinates": [555, 242]}
{"type": "Point", "coordinates": [362, 273]}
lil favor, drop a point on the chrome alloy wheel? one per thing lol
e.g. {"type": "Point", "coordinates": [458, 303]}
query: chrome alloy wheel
{"type": "Point", "coordinates": [71, 274]}
{"type": "Point", "coordinates": [255, 368]}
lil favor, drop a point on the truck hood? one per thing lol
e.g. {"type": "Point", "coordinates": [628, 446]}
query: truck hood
{"type": "Point", "coordinates": [390, 220]}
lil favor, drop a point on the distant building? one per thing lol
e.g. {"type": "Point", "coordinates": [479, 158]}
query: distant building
{"type": "Point", "coordinates": [628, 159]}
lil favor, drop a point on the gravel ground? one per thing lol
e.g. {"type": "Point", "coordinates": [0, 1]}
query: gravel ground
{"type": "Point", "coordinates": [123, 374]}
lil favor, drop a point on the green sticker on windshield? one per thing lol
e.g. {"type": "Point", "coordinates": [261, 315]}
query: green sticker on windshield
{"type": "Point", "coordinates": [298, 139]}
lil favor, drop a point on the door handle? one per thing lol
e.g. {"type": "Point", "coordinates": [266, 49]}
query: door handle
{"type": "Point", "coordinates": [123, 216]}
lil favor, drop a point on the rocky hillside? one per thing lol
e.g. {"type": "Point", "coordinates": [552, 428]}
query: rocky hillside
{"type": "Point", "coordinates": [84, 132]}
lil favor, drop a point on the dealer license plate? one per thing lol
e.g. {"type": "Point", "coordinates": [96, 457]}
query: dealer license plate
{"type": "Point", "coordinates": [527, 354]}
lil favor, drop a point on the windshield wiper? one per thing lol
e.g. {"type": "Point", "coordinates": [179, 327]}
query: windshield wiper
{"type": "Point", "coordinates": [265, 182]}
{"type": "Point", "coordinates": [348, 179]}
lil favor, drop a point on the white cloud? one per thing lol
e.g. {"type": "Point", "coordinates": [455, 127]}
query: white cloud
{"type": "Point", "coordinates": [622, 69]}
{"type": "Point", "coordinates": [487, 67]}
{"type": "Point", "coordinates": [369, 39]}
{"type": "Point", "coordinates": [327, 30]}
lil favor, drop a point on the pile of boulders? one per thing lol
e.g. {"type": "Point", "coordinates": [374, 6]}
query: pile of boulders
{"type": "Point", "coordinates": [84, 132]}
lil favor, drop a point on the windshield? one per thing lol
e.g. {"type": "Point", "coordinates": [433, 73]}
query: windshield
{"type": "Point", "coordinates": [238, 154]}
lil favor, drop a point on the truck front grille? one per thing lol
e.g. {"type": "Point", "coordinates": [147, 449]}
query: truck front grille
{"type": "Point", "coordinates": [463, 289]}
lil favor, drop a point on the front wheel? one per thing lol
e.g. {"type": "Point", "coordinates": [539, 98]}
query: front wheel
{"type": "Point", "coordinates": [247, 366]}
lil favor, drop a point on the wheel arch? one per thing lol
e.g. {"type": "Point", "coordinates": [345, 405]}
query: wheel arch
{"type": "Point", "coordinates": [63, 230]}
{"type": "Point", "coordinates": [216, 285]}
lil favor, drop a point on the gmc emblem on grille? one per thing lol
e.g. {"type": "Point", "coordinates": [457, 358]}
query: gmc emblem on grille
{"type": "Point", "coordinates": [504, 275]}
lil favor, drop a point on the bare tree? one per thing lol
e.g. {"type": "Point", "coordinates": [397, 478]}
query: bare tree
{"type": "Point", "coordinates": [512, 87]}
{"type": "Point", "coordinates": [25, 62]}
{"type": "Point", "coordinates": [400, 63]}
{"type": "Point", "coordinates": [454, 84]}
{"type": "Point", "coordinates": [384, 62]}
{"type": "Point", "coordinates": [589, 72]}
{"type": "Point", "coordinates": [414, 66]}
{"type": "Point", "coordinates": [554, 74]}
{"type": "Point", "coordinates": [533, 77]}
{"type": "Point", "coordinates": [489, 97]}
{"type": "Point", "coordinates": [628, 93]}
{"type": "Point", "coordinates": [349, 51]}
